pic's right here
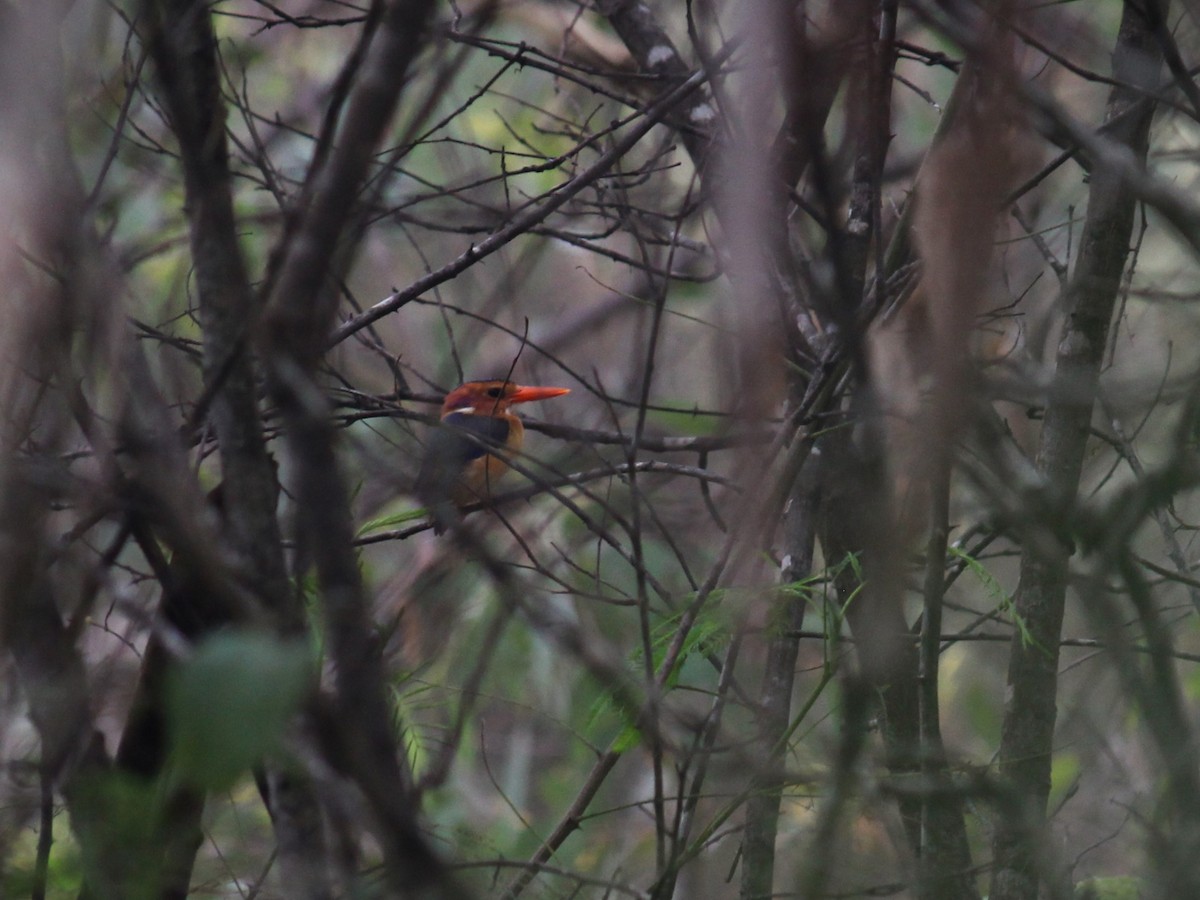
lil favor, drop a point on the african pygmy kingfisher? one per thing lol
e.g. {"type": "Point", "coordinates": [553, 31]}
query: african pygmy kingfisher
{"type": "Point", "coordinates": [466, 456]}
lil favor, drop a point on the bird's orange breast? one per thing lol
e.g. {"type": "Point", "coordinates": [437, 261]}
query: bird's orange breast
{"type": "Point", "coordinates": [479, 477]}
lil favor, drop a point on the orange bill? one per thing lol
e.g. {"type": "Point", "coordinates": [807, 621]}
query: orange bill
{"type": "Point", "coordinates": [524, 394]}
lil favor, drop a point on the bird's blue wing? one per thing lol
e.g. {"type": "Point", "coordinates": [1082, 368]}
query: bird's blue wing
{"type": "Point", "coordinates": [460, 438]}
{"type": "Point", "coordinates": [475, 433]}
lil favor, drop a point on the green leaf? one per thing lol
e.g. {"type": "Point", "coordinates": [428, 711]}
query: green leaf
{"type": "Point", "coordinates": [1001, 597]}
{"type": "Point", "coordinates": [229, 703]}
{"type": "Point", "coordinates": [709, 633]}
{"type": "Point", "coordinates": [391, 521]}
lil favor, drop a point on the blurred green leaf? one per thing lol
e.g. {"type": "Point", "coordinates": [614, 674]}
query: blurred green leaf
{"type": "Point", "coordinates": [709, 633]}
{"type": "Point", "coordinates": [982, 713]}
{"type": "Point", "coordinates": [121, 815]}
{"type": "Point", "coordinates": [677, 419]}
{"type": "Point", "coordinates": [995, 590]}
{"type": "Point", "coordinates": [1191, 683]}
{"type": "Point", "coordinates": [230, 702]}
{"type": "Point", "coordinates": [1120, 887]}
{"type": "Point", "coordinates": [64, 871]}
{"type": "Point", "coordinates": [1064, 777]}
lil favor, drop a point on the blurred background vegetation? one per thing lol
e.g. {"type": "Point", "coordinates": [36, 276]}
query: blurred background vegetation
{"type": "Point", "coordinates": [675, 644]}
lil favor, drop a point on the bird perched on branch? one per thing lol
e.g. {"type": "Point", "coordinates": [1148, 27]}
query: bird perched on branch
{"type": "Point", "coordinates": [468, 454]}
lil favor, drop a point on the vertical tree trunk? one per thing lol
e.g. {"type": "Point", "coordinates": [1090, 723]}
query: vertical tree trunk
{"type": "Point", "coordinates": [1028, 729]}
{"type": "Point", "coordinates": [183, 45]}
{"type": "Point", "coordinates": [775, 697]}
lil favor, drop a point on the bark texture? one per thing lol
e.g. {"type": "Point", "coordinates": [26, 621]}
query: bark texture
{"type": "Point", "coordinates": [1027, 738]}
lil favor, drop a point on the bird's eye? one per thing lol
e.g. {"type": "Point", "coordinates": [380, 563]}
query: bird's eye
{"type": "Point", "coordinates": [496, 392]}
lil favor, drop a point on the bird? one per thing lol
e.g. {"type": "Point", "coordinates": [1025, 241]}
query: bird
{"type": "Point", "coordinates": [469, 452]}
